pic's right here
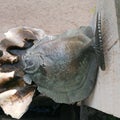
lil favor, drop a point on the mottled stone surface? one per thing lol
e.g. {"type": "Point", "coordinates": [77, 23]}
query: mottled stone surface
{"type": "Point", "coordinates": [65, 67]}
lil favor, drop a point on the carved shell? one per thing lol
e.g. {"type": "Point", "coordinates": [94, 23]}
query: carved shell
{"type": "Point", "coordinates": [64, 68]}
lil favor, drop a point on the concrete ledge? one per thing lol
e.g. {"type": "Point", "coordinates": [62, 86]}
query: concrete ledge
{"type": "Point", "coordinates": [106, 95]}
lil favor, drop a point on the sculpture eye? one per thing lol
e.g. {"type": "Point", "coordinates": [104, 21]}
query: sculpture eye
{"type": "Point", "coordinates": [29, 62]}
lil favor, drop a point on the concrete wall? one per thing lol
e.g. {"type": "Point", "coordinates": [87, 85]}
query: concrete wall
{"type": "Point", "coordinates": [106, 95]}
{"type": "Point", "coordinates": [53, 16]}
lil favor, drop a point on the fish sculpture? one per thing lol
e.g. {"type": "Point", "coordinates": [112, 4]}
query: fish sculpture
{"type": "Point", "coordinates": [61, 67]}
{"type": "Point", "coordinates": [64, 67]}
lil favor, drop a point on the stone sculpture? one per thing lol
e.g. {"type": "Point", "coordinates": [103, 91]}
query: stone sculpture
{"type": "Point", "coordinates": [63, 67]}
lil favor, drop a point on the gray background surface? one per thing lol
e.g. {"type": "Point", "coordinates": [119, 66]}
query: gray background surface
{"type": "Point", "coordinates": [53, 16]}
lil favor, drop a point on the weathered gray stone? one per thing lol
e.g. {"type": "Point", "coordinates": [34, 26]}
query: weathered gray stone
{"type": "Point", "coordinates": [65, 67]}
